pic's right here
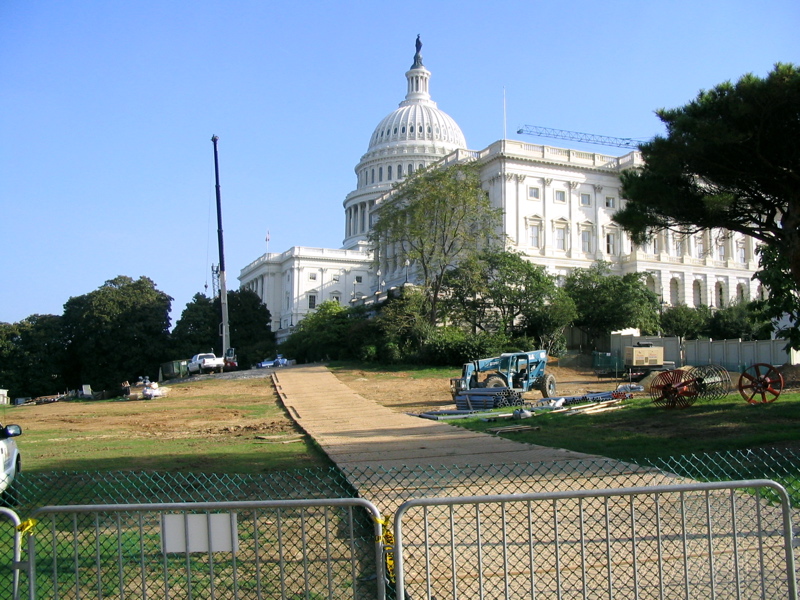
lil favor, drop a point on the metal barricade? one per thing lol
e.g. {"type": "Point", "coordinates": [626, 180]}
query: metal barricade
{"type": "Point", "coordinates": [11, 585]}
{"type": "Point", "coordinates": [705, 540]}
{"type": "Point", "coordinates": [327, 548]}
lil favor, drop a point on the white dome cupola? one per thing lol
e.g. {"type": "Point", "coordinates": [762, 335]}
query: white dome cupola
{"type": "Point", "coordinates": [413, 136]}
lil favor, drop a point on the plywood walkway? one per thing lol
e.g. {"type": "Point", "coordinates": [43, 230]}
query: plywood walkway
{"type": "Point", "coordinates": [390, 456]}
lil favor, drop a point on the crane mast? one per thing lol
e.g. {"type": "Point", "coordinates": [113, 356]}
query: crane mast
{"type": "Point", "coordinates": [575, 136]}
{"type": "Point", "coordinates": [223, 290]}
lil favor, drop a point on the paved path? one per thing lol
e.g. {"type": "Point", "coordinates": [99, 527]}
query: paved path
{"type": "Point", "coordinates": [389, 456]}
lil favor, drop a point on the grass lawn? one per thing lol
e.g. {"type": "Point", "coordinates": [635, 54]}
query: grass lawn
{"type": "Point", "coordinates": [642, 430]}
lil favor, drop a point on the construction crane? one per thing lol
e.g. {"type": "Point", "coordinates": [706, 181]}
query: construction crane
{"type": "Point", "coordinates": [587, 138]}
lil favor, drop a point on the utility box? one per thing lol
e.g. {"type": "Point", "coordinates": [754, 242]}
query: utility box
{"type": "Point", "coordinates": [642, 356]}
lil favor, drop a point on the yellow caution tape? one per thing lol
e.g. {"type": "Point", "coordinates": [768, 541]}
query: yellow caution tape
{"type": "Point", "coordinates": [26, 527]}
{"type": "Point", "coordinates": [387, 540]}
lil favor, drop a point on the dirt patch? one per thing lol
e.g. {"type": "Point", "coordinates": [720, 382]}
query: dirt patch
{"type": "Point", "coordinates": [179, 414]}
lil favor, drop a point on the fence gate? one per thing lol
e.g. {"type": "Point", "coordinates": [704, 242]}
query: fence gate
{"type": "Point", "coordinates": [714, 540]}
{"type": "Point", "coordinates": [321, 549]}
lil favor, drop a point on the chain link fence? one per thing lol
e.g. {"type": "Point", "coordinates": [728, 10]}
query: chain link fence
{"type": "Point", "coordinates": [387, 488]}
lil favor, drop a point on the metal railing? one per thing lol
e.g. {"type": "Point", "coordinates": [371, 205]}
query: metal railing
{"type": "Point", "coordinates": [713, 540]}
{"type": "Point", "coordinates": [709, 540]}
{"type": "Point", "coordinates": [15, 553]}
{"type": "Point", "coordinates": [218, 550]}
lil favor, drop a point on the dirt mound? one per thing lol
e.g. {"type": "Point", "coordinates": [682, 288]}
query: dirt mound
{"type": "Point", "coordinates": [791, 375]}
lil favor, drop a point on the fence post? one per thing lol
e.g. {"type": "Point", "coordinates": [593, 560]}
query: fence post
{"type": "Point", "coordinates": [16, 564]}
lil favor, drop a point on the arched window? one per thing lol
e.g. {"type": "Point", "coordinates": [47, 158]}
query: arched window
{"type": "Point", "coordinates": [674, 290]}
{"type": "Point", "coordinates": [697, 293]}
{"type": "Point", "coordinates": [373, 175]}
{"type": "Point", "coordinates": [741, 292]}
{"type": "Point", "coordinates": [399, 171]}
{"type": "Point", "coordinates": [410, 169]}
{"type": "Point", "coordinates": [389, 173]}
{"type": "Point", "coordinates": [719, 299]}
{"type": "Point", "coordinates": [650, 284]}
{"type": "Point", "coordinates": [380, 173]}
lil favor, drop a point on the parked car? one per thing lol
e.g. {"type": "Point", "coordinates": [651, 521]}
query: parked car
{"type": "Point", "coordinates": [278, 361]}
{"type": "Point", "coordinates": [205, 363]}
{"type": "Point", "coordinates": [9, 457]}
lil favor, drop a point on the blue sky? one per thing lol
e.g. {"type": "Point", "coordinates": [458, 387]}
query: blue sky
{"type": "Point", "coordinates": [108, 108]}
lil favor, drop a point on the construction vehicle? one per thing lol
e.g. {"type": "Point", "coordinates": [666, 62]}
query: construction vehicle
{"type": "Point", "coordinates": [519, 371]}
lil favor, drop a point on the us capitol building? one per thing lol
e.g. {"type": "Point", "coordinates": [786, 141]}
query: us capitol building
{"type": "Point", "coordinates": [557, 205]}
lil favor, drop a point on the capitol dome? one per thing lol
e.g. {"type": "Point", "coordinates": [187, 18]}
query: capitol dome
{"type": "Point", "coordinates": [413, 136]}
{"type": "Point", "coordinates": [418, 119]}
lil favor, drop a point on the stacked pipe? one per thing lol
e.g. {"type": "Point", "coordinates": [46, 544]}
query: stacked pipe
{"type": "Point", "coordinates": [487, 398]}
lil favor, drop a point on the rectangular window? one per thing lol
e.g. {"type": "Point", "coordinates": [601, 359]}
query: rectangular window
{"type": "Point", "coordinates": [586, 200]}
{"type": "Point", "coordinates": [611, 202]}
{"type": "Point", "coordinates": [742, 254]}
{"type": "Point", "coordinates": [700, 247]}
{"type": "Point", "coordinates": [533, 233]}
{"type": "Point", "coordinates": [561, 239]}
{"type": "Point", "coordinates": [336, 278]}
{"type": "Point", "coordinates": [586, 241]}
{"type": "Point", "coordinates": [312, 276]}
{"type": "Point", "coordinates": [611, 243]}
{"type": "Point", "coordinates": [721, 251]}
{"type": "Point", "coordinates": [335, 298]}
{"type": "Point", "coordinates": [312, 301]}
{"type": "Point", "coordinates": [561, 196]}
{"type": "Point", "coordinates": [358, 278]}
{"type": "Point", "coordinates": [533, 193]}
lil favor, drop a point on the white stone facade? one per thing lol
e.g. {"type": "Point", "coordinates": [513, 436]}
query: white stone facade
{"type": "Point", "coordinates": [295, 282]}
{"type": "Point", "coordinates": [557, 206]}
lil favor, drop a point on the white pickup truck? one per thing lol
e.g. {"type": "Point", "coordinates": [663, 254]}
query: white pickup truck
{"type": "Point", "coordinates": [205, 363]}
{"type": "Point", "coordinates": [9, 459]}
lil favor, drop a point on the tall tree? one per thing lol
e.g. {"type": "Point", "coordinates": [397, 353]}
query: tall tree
{"type": "Point", "coordinates": [607, 302]}
{"type": "Point", "coordinates": [197, 329]}
{"type": "Point", "coordinates": [438, 218]}
{"type": "Point", "coordinates": [684, 321]}
{"type": "Point", "coordinates": [11, 359]}
{"type": "Point", "coordinates": [547, 323]}
{"type": "Point", "coordinates": [782, 300]}
{"type": "Point", "coordinates": [42, 352]}
{"type": "Point", "coordinates": [740, 320]}
{"type": "Point", "coordinates": [500, 291]}
{"type": "Point", "coordinates": [403, 325]}
{"type": "Point", "coordinates": [325, 334]}
{"type": "Point", "coordinates": [117, 332]}
{"type": "Point", "coordinates": [251, 332]}
{"type": "Point", "coordinates": [730, 160]}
